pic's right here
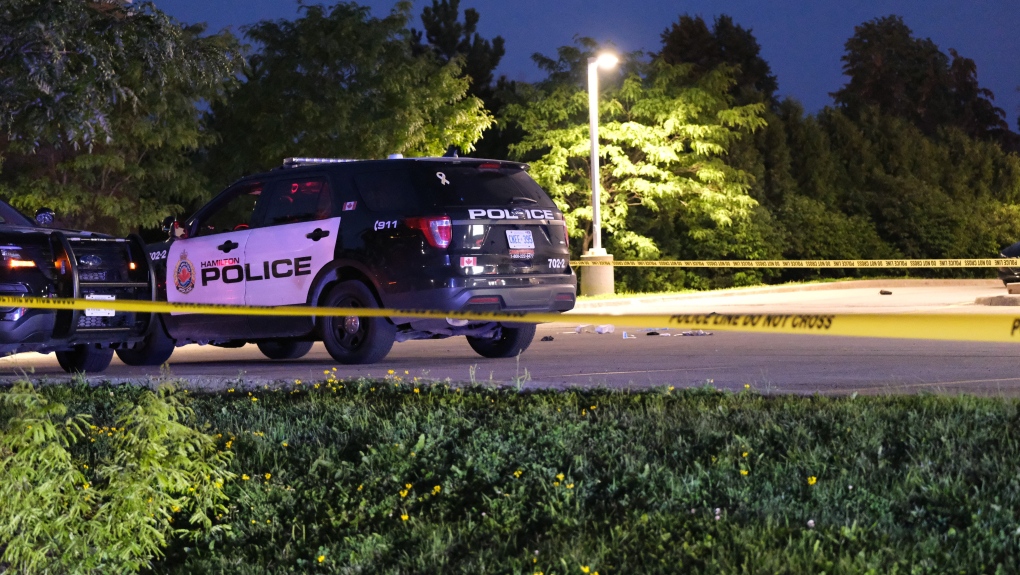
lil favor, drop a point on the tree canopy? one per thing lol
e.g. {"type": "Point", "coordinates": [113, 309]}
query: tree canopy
{"type": "Point", "coordinates": [690, 41]}
{"type": "Point", "coordinates": [100, 107]}
{"type": "Point", "coordinates": [448, 39]}
{"type": "Point", "coordinates": [663, 137]}
{"type": "Point", "coordinates": [337, 82]}
{"type": "Point", "coordinates": [910, 78]}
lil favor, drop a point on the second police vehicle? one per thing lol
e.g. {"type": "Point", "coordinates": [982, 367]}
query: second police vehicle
{"type": "Point", "coordinates": [449, 234]}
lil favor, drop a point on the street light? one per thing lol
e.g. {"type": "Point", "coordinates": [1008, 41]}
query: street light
{"type": "Point", "coordinates": [596, 280]}
{"type": "Point", "coordinates": [602, 61]}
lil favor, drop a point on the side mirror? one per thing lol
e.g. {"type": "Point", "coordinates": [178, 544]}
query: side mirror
{"type": "Point", "coordinates": [169, 223]}
{"type": "Point", "coordinates": [171, 226]}
{"type": "Point", "coordinates": [44, 217]}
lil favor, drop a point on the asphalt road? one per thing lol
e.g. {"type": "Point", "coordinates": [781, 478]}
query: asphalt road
{"type": "Point", "coordinates": [769, 363]}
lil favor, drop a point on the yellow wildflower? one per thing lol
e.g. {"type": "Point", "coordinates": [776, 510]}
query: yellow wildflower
{"type": "Point", "coordinates": [812, 480]}
{"type": "Point", "coordinates": [559, 476]}
{"type": "Point", "coordinates": [244, 477]}
{"type": "Point", "coordinates": [743, 472]}
{"type": "Point", "coordinates": [322, 558]}
{"type": "Point", "coordinates": [390, 372]}
{"type": "Point", "coordinates": [268, 476]}
{"type": "Point", "coordinates": [403, 516]}
{"type": "Point", "coordinates": [585, 569]}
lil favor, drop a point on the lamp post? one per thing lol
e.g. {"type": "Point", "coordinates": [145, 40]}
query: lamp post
{"type": "Point", "coordinates": [596, 280]}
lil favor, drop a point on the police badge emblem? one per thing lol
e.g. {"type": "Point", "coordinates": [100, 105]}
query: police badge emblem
{"type": "Point", "coordinates": [184, 274]}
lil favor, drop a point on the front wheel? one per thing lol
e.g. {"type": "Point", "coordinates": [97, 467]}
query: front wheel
{"type": "Point", "coordinates": [155, 349]}
{"type": "Point", "coordinates": [354, 339]}
{"type": "Point", "coordinates": [510, 342]}
{"type": "Point", "coordinates": [85, 359]}
{"type": "Point", "coordinates": [284, 349]}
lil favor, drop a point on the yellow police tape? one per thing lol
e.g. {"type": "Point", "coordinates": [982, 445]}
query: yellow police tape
{"type": "Point", "coordinates": [937, 263]}
{"type": "Point", "coordinates": [956, 327]}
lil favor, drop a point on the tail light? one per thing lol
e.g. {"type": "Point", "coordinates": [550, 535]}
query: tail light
{"type": "Point", "coordinates": [438, 230]}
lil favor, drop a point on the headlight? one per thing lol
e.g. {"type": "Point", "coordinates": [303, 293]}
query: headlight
{"type": "Point", "coordinates": [11, 258]}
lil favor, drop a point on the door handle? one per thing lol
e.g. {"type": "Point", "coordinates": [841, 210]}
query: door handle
{"type": "Point", "coordinates": [317, 234]}
{"type": "Point", "coordinates": [226, 246]}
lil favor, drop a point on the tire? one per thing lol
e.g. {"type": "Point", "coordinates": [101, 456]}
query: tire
{"type": "Point", "coordinates": [355, 340]}
{"type": "Point", "coordinates": [85, 359]}
{"type": "Point", "coordinates": [155, 349]}
{"type": "Point", "coordinates": [510, 342]}
{"type": "Point", "coordinates": [284, 348]}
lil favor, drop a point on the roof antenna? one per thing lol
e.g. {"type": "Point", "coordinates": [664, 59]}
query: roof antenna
{"type": "Point", "coordinates": [452, 152]}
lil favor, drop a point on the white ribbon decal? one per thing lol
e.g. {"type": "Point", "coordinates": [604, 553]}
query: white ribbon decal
{"type": "Point", "coordinates": [442, 178]}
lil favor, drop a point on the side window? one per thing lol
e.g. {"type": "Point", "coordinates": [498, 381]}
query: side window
{"type": "Point", "coordinates": [299, 200]}
{"type": "Point", "coordinates": [233, 211]}
{"type": "Point", "coordinates": [390, 190]}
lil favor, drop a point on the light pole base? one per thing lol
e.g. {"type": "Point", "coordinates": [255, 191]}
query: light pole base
{"type": "Point", "coordinates": [597, 280]}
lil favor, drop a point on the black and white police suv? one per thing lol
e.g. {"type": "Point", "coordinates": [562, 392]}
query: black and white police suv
{"type": "Point", "coordinates": [39, 262]}
{"type": "Point", "coordinates": [448, 234]}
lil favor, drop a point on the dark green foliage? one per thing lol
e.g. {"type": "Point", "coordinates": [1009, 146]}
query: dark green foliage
{"type": "Point", "coordinates": [689, 41]}
{"type": "Point", "coordinates": [337, 82]}
{"type": "Point", "coordinates": [615, 482]}
{"type": "Point", "coordinates": [912, 79]}
{"type": "Point", "coordinates": [99, 110]}
{"type": "Point", "coordinates": [448, 38]}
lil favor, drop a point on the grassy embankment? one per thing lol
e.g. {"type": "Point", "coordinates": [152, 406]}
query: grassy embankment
{"type": "Point", "coordinates": [407, 476]}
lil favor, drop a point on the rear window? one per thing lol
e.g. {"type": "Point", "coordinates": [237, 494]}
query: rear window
{"type": "Point", "coordinates": [472, 185]}
{"type": "Point", "coordinates": [409, 189]}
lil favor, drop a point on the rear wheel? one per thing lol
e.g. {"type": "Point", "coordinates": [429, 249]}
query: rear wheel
{"type": "Point", "coordinates": [510, 342]}
{"type": "Point", "coordinates": [85, 359]}
{"type": "Point", "coordinates": [155, 349]}
{"type": "Point", "coordinates": [284, 349]}
{"type": "Point", "coordinates": [355, 339]}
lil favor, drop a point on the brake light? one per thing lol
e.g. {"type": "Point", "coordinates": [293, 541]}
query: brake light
{"type": "Point", "coordinates": [488, 166]}
{"type": "Point", "coordinates": [438, 230]}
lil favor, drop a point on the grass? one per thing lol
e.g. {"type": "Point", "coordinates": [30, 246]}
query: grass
{"type": "Point", "coordinates": [406, 476]}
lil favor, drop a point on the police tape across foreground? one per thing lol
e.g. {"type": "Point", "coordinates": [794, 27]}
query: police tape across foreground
{"type": "Point", "coordinates": [936, 263]}
{"type": "Point", "coordinates": [954, 327]}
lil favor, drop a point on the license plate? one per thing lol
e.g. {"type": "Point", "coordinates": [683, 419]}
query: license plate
{"type": "Point", "coordinates": [92, 312]}
{"type": "Point", "coordinates": [520, 239]}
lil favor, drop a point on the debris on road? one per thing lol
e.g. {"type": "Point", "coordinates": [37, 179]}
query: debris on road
{"type": "Point", "coordinates": [885, 292]}
{"type": "Point", "coordinates": [697, 332]}
{"type": "Point", "coordinates": [547, 338]}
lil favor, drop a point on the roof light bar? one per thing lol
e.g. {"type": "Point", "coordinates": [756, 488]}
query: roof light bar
{"type": "Point", "coordinates": [293, 162]}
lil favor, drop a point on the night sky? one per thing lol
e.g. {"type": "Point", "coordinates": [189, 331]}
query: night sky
{"type": "Point", "coordinates": [802, 40]}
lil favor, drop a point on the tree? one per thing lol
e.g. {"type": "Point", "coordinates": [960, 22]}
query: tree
{"type": "Point", "coordinates": [448, 39]}
{"type": "Point", "coordinates": [337, 82]}
{"type": "Point", "coordinates": [689, 41]}
{"type": "Point", "coordinates": [663, 138]}
{"type": "Point", "coordinates": [100, 108]}
{"type": "Point", "coordinates": [912, 79]}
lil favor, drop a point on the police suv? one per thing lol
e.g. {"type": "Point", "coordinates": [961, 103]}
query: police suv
{"type": "Point", "coordinates": [39, 262]}
{"type": "Point", "coordinates": [448, 234]}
